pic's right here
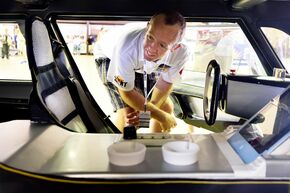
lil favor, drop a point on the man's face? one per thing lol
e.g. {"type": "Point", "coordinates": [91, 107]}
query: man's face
{"type": "Point", "coordinates": [158, 39]}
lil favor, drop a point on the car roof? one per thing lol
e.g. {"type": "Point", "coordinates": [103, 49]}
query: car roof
{"type": "Point", "coordinates": [260, 12]}
{"type": "Point", "coordinates": [259, 8]}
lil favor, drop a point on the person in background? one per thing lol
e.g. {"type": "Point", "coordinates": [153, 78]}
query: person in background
{"type": "Point", "coordinates": [6, 41]}
{"type": "Point", "coordinates": [140, 68]}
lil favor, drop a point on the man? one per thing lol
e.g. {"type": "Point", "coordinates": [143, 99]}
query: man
{"type": "Point", "coordinates": [6, 41]}
{"type": "Point", "coordinates": [153, 51]}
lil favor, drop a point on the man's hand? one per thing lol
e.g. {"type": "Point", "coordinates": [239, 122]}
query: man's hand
{"type": "Point", "coordinates": [168, 123]}
{"type": "Point", "coordinates": [132, 118]}
{"type": "Point", "coordinates": [136, 101]}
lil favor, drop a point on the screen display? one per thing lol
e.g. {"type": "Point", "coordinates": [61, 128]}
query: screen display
{"type": "Point", "coordinates": [270, 124]}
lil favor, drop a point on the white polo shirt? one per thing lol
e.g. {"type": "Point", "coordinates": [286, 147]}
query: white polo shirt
{"type": "Point", "coordinates": [127, 57]}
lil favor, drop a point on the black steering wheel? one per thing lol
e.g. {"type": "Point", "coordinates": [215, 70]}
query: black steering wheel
{"type": "Point", "coordinates": [211, 92]}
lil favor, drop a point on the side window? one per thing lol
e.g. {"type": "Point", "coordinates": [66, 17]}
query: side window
{"type": "Point", "coordinates": [224, 42]}
{"type": "Point", "coordinates": [82, 39]}
{"type": "Point", "coordinates": [280, 42]}
{"type": "Point", "coordinates": [13, 61]}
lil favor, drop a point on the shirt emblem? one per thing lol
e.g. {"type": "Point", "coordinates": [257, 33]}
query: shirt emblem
{"type": "Point", "coordinates": [120, 81]}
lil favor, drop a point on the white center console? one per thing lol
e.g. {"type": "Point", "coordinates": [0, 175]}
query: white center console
{"type": "Point", "coordinates": [256, 147]}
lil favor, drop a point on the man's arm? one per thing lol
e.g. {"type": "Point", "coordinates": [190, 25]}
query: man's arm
{"type": "Point", "coordinates": [135, 100]}
{"type": "Point", "coordinates": [161, 92]}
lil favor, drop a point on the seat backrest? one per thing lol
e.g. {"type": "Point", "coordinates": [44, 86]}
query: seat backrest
{"type": "Point", "coordinates": [61, 95]}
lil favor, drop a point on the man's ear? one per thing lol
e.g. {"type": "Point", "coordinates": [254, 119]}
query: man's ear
{"type": "Point", "coordinates": [147, 26]}
{"type": "Point", "coordinates": [177, 45]}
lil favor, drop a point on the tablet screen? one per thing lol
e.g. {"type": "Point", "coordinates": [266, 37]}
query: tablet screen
{"type": "Point", "coordinates": [269, 125]}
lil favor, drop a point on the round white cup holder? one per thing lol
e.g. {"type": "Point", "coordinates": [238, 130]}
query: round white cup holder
{"type": "Point", "coordinates": [180, 152]}
{"type": "Point", "coordinates": [126, 153]}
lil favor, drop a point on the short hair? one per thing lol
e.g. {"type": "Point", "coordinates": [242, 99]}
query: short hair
{"type": "Point", "coordinates": [171, 18]}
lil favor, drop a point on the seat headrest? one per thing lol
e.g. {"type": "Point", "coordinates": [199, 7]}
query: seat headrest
{"type": "Point", "coordinates": [41, 44]}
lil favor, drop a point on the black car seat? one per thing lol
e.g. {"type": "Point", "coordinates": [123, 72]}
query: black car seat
{"type": "Point", "coordinates": [60, 94]}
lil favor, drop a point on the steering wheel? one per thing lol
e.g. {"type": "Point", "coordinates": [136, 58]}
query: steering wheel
{"type": "Point", "coordinates": [211, 92]}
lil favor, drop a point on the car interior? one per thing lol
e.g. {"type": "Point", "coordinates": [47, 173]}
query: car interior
{"type": "Point", "coordinates": [57, 130]}
{"type": "Point", "coordinates": [62, 96]}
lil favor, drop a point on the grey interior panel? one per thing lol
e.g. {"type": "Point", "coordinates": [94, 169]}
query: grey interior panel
{"type": "Point", "coordinates": [245, 99]}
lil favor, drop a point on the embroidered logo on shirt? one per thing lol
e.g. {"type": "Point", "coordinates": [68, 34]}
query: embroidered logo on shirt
{"type": "Point", "coordinates": [120, 81]}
